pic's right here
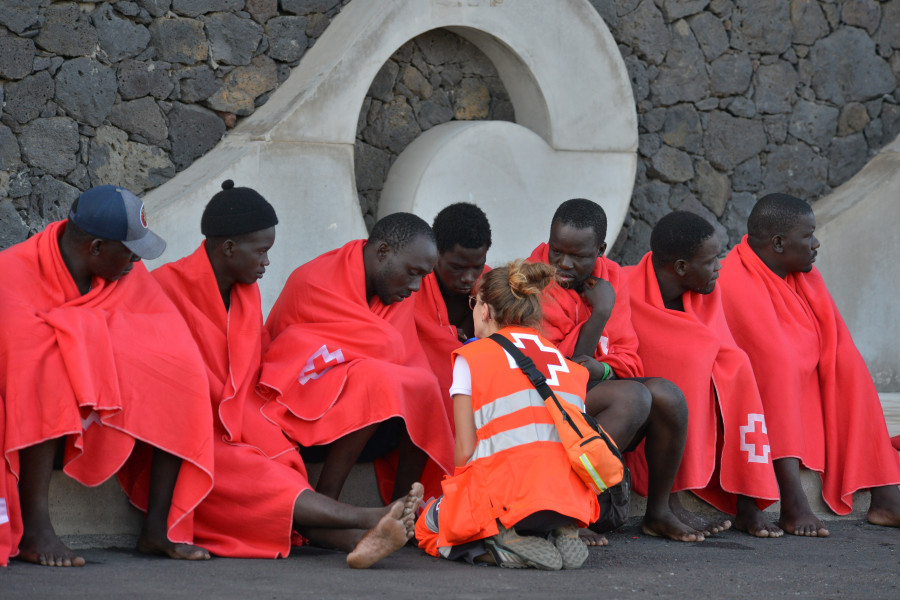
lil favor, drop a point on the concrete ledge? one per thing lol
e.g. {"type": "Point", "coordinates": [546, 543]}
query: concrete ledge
{"type": "Point", "coordinates": [105, 510]}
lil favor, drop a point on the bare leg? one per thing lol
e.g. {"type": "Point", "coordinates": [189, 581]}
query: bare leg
{"type": "Point", "coordinates": [368, 534]}
{"type": "Point", "coordinates": [885, 506]}
{"type": "Point", "coordinates": [342, 455]}
{"type": "Point", "coordinates": [751, 520]}
{"type": "Point", "coordinates": [665, 437]}
{"type": "Point", "coordinates": [154, 537]}
{"type": "Point", "coordinates": [40, 544]}
{"type": "Point", "coordinates": [796, 517]}
{"type": "Point", "coordinates": [410, 465]}
{"type": "Point", "coordinates": [621, 408]}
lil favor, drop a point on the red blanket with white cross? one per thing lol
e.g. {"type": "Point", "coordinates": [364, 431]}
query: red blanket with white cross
{"type": "Point", "coordinates": [821, 404]}
{"type": "Point", "coordinates": [727, 450]}
{"type": "Point", "coordinates": [338, 362]}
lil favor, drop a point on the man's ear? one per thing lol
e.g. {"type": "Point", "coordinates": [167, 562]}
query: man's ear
{"type": "Point", "coordinates": [382, 251]}
{"type": "Point", "coordinates": [680, 267]}
{"type": "Point", "coordinates": [602, 250]}
{"type": "Point", "coordinates": [228, 248]}
{"type": "Point", "coordinates": [778, 243]}
{"type": "Point", "coordinates": [96, 247]}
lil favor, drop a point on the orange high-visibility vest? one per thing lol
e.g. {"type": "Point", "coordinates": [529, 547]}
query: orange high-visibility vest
{"type": "Point", "coordinates": [519, 466]}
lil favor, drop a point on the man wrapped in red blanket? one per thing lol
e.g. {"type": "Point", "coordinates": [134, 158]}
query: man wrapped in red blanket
{"type": "Point", "coordinates": [677, 314]}
{"type": "Point", "coordinates": [261, 492]}
{"type": "Point", "coordinates": [588, 316]}
{"type": "Point", "coordinates": [93, 355]}
{"type": "Point", "coordinates": [345, 358]}
{"type": "Point", "coordinates": [822, 409]}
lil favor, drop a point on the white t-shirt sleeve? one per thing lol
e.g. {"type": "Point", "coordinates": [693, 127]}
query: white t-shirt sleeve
{"type": "Point", "coordinates": [462, 377]}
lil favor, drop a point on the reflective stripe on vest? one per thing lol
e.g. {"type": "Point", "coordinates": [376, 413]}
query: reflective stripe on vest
{"type": "Point", "coordinates": [520, 436]}
{"type": "Point", "coordinates": [517, 401]}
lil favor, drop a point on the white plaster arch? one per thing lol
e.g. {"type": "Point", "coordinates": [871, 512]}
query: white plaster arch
{"type": "Point", "coordinates": [561, 67]}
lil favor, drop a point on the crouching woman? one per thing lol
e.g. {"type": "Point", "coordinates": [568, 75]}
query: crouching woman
{"type": "Point", "coordinates": [514, 499]}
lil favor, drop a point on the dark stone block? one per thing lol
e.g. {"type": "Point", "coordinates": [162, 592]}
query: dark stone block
{"type": "Point", "coordinates": [436, 110]}
{"type": "Point", "coordinates": [16, 57]}
{"type": "Point", "coordinates": [156, 8]}
{"type": "Point", "coordinates": [809, 22]}
{"type": "Point", "coordinates": [25, 100]}
{"type": "Point", "coordinates": [195, 8]}
{"type": "Point", "coordinates": [141, 117]}
{"type": "Point", "coordinates": [305, 7]}
{"type": "Point", "coordinates": [261, 10]}
{"type": "Point", "coordinates": [179, 40]}
{"type": "Point", "coordinates": [137, 79]}
{"type": "Point", "coordinates": [710, 33]}
{"type": "Point", "coordinates": [232, 40]}
{"type": "Point", "coordinates": [86, 89]}
{"type": "Point", "coordinates": [846, 157]}
{"type": "Point", "coordinates": [815, 124]}
{"type": "Point", "coordinates": [67, 31]}
{"type": "Point", "coordinates": [845, 67]}
{"type": "Point", "coordinates": [730, 74]}
{"type": "Point", "coordinates": [645, 32]}
{"type": "Point", "coordinates": [776, 88]}
{"type": "Point", "coordinates": [795, 169]}
{"type": "Point", "coordinates": [193, 130]}
{"type": "Point", "coordinates": [371, 165]}
{"type": "Point", "coordinates": [729, 140]}
{"type": "Point", "coordinates": [196, 83]}
{"type": "Point", "coordinates": [51, 144]}
{"type": "Point", "coordinates": [19, 15]}
{"type": "Point", "coordinates": [287, 38]}
{"type": "Point", "coordinates": [53, 199]}
{"type": "Point", "coordinates": [119, 38]}
{"type": "Point", "coordinates": [682, 129]}
{"type": "Point", "coordinates": [761, 26]}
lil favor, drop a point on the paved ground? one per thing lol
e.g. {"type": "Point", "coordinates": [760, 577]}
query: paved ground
{"type": "Point", "coordinates": [858, 561]}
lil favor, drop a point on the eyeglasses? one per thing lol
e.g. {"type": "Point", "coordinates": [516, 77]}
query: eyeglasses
{"type": "Point", "coordinates": [473, 302]}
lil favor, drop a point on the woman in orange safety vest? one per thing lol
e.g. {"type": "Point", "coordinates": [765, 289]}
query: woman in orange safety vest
{"type": "Point", "coordinates": [513, 476]}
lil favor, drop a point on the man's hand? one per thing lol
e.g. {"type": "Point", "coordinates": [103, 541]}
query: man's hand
{"type": "Point", "coordinates": [600, 294]}
{"type": "Point", "coordinates": [595, 367]}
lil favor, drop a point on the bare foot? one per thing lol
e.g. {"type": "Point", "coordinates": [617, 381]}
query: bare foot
{"type": "Point", "coordinates": [671, 527]}
{"type": "Point", "coordinates": [48, 550]}
{"type": "Point", "coordinates": [413, 499]}
{"type": "Point", "coordinates": [885, 507]}
{"type": "Point", "coordinates": [149, 544]}
{"type": "Point", "coordinates": [802, 524]}
{"type": "Point", "coordinates": [591, 538]}
{"type": "Point", "coordinates": [756, 524]}
{"type": "Point", "coordinates": [389, 535]}
{"type": "Point", "coordinates": [707, 528]}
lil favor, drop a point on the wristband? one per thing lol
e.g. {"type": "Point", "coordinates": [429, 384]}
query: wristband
{"type": "Point", "coordinates": [607, 372]}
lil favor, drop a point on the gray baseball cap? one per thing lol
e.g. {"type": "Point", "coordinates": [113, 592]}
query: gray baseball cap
{"type": "Point", "coordinates": [113, 213]}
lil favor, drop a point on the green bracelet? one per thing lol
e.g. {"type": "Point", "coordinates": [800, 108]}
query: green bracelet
{"type": "Point", "coordinates": [607, 371]}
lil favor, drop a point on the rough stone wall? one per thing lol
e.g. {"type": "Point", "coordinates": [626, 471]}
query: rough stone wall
{"type": "Point", "coordinates": [131, 91]}
{"type": "Point", "coordinates": [738, 98]}
{"type": "Point", "coordinates": [434, 78]}
{"type": "Point", "coordinates": [735, 98]}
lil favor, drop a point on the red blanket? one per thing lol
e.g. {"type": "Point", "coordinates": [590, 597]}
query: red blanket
{"type": "Point", "coordinates": [256, 466]}
{"type": "Point", "coordinates": [821, 405]}
{"type": "Point", "coordinates": [565, 312]}
{"type": "Point", "coordinates": [694, 350]}
{"type": "Point", "coordinates": [104, 369]}
{"type": "Point", "coordinates": [338, 363]}
{"type": "Point", "coordinates": [8, 497]}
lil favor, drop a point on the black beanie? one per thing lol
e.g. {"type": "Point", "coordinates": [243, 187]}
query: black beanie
{"type": "Point", "coordinates": [235, 211]}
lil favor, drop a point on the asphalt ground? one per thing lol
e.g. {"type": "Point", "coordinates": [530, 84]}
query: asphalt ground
{"type": "Point", "coordinates": [858, 560]}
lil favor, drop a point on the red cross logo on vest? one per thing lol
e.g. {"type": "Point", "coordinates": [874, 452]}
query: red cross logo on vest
{"type": "Point", "coordinates": [751, 438]}
{"type": "Point", "coordinates": [547, 359]}
{"type": "Point", "coordinates": [319, 363]}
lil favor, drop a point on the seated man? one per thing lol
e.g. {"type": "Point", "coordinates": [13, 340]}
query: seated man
{"type": "Point", "coordinates": [587, 315]}
{"type": "Point", "coordinates": [345, 358]}
{"type": "Point", "coordinates": [677, 314]}
{"type": "Point", "coordinates": [97, 363]}
{"type": "Point", "coordinates": [821, 406]}
{"type": "Point", "coordinates": [255, 465]}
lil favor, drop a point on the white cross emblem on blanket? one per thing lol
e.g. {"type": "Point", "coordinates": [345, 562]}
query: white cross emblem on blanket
{"type": "Point", "coordinates": [750, 446]}
{"type": "Point", "coordinates": [316, 368]}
